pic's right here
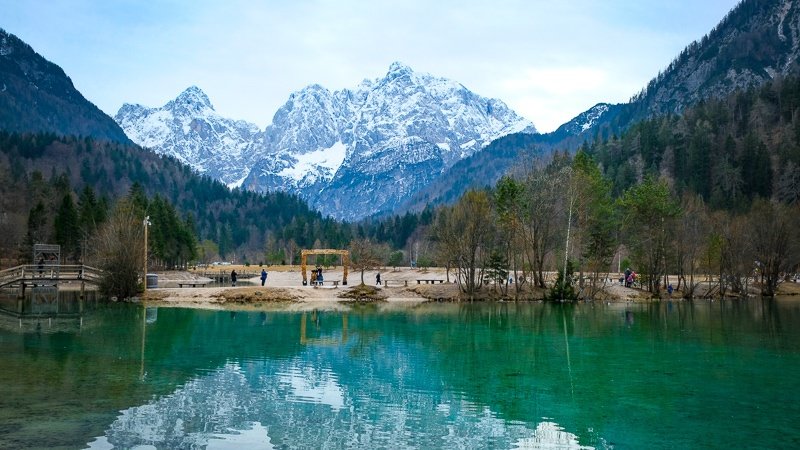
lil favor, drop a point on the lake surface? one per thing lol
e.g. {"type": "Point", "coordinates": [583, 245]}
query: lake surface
{"type": "Point", "coordinates": [665, 375]}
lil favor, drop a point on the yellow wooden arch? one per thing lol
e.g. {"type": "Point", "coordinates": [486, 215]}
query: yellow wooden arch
{"type": "Point", "coordinates": [345, 254]}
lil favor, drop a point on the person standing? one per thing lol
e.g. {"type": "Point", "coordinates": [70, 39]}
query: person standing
{"type": "Point", "coordinates": [263, 276]}
{"type": "Point", "coordinates": [233, 277]}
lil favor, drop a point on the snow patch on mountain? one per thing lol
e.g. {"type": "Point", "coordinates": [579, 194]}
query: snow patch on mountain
{"type": "Point", "coordinates": [328, 159]}
{"type": "Point", "coordinates": [587, 121]}
{"type": "Point", "coordinates": [593, 115]}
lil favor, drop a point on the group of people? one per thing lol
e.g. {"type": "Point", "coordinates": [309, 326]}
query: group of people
{"type": "Point", "coordinates": [630, 277]}
{"type": "Point", "coordinates": [234, 275]}
{"type": "Point", "coordinates": [316, 276]}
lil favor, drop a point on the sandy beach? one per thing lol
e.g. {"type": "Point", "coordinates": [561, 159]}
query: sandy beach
{"type": "Point", "coordinates": [284, 289]}
{"type": "Point", "coordinates": [400, 288]}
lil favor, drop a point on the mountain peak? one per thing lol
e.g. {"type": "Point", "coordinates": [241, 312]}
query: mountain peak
{"type": "Point", "coordinates": [398, 67]}
{"type": "Point", "coordinates": [193, 95]}
{"type": "Point", "coordinates": [375, 145]}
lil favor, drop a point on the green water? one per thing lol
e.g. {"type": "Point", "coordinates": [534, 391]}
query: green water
{"type": "Point", "coordinates": [667, 375]}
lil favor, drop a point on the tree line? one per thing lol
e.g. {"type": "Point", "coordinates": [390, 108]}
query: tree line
{"type": "Point", "coordinates": [44, 176]}
{"type": "Point", "coordinates": [714, 191]}
{"type": "Point", "coordinates": [563, 217]}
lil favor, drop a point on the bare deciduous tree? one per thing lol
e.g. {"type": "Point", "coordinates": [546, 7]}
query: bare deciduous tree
{"type": "Point", "coordinates": [543, 217]}
{"type": "Point", "coordinates": [119, 251]}
{"type": "Point", "coordinates": [689, 246]}
{"type": "Point", "coordinates": [366, 255]}
{"type": "Point", "coordinates": [774, 229]}
{"type": "Point", "coordinates": [464, 231]}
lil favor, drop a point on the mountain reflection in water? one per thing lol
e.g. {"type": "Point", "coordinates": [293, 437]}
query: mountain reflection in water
{"type": "Point", "coordinates": [665, 375]}
{"type": "Point", "coordinates": [306, 404]}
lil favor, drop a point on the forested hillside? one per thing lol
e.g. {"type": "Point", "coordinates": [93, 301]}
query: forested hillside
{"type": "Point", "coordinates": [37, 96]}
{"type": "Point", "coordinates": [757, 41]}
{"type": "Point", "coordinates": [43, 168]}
{"type": "Point", "coordinates": [728, 151]}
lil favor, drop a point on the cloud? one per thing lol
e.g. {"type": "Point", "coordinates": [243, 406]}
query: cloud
{"type": "Point", "coordinates": [547, 60]}
{"type": "Point", "coordinates": [549, 96]}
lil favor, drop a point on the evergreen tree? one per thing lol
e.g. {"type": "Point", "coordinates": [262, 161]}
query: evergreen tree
{"type": "Point", "coordinates": [37, 233]}
{"type": "Point", "coordinates": [67, 228]}
{"type": "Point", "coordinates": [497, 270]}
{"type": "Point", "coordinates": [648, 211]}
{"type": "Point", "coordinates": [563, 289]}
{"type": "Point", "coordinates": [91, 211]}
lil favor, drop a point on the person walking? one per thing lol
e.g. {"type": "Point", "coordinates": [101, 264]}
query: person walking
{"type": "Point", "coordinates": [378, 279]}
{"type": "Point", "coordinates": [263, 276]}
{"type": "Point", "coordinates": [233, 277]}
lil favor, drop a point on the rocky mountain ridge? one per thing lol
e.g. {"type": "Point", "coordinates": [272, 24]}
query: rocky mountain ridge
{"type": "Point", "coordinates": [349, 153]}
{"type": "Point", "coordinates": [189, 129]}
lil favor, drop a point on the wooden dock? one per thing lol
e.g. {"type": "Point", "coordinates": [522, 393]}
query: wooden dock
{"type": "Point", "coordinates": [48, 275]}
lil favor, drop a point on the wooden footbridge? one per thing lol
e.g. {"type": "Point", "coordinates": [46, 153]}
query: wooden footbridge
{"type": "Point", "coordinates": [48, 275]}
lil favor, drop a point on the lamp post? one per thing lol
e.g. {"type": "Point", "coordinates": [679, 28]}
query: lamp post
{"type": "Point", "coordinates": [145, 224]}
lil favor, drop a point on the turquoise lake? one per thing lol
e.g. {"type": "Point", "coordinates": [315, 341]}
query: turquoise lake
{"type": "Point", "coordinates": [684, 375]}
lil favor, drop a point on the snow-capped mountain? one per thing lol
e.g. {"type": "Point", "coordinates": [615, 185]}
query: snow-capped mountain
{"type": "Point", "coordinates": [355, 152]}
{"type": "Point", "coordinates": [189, 129]}
{"type": "Point", "coordinates": [349, 153]}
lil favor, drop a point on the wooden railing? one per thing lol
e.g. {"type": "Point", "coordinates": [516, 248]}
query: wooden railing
{"type": "Point", "coordinates": [49, 273]}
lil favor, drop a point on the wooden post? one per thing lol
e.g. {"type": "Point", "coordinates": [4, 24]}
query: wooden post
{"type": "Point", "coordinates": [345, 254]}
{"type": "Point", "coordinates": [144, 275]}
{"type": "Point", "coordinates": [345, 263]}
{"type": "Point", "coordinates": [303, 266]}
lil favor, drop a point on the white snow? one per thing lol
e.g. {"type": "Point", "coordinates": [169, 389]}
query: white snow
{"type": "Point", "coordinates": [330, 158]}
{"type": "Point", "coordinates": [468, 144]}
{"type": "Point", "coordinates": [237, 183]}
{"type": "Point", "coordinates": [593, 115]}
{"type": "Point", "coordinates": [220, 151]}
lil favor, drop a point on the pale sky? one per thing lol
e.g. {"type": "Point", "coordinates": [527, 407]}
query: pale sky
{"type": "Point", "coordinates": [549, 60]}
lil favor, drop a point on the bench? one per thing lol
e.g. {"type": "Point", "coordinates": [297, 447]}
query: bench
{"type": "Point", "coordinates": [193, 283]}
{"type": "Point", "coordinates": [404, 282]}
{"type": "Point", "coordinates": [429, 281]}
